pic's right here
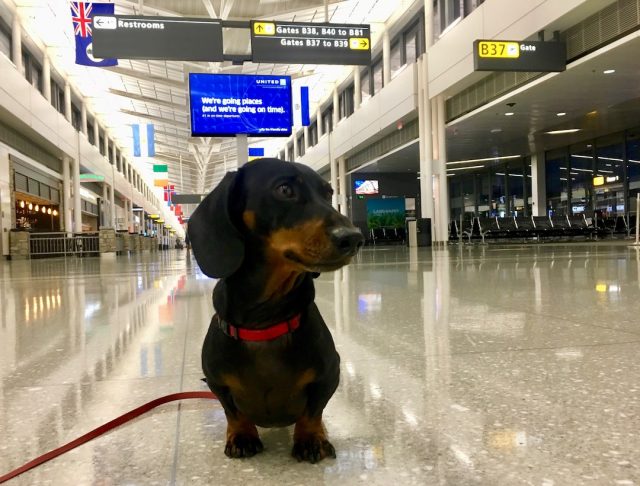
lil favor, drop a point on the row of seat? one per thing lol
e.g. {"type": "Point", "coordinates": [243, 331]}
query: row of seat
{"type": "Point", "coordinates": [541, 226]}
{"type": "Point", "coordinates": [387, 235]}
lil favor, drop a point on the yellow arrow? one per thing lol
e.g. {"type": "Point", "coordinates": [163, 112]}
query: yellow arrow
{"type": "Point", "coordinates": [359, 43]}
{"type": "Point", "coordinates": [264, 28]}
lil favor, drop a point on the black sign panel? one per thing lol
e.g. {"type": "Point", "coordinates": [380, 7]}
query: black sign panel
{"type": "Point", "coordinates": [167, 38]}
{"type": "Point", "coordinates": [500, 55]}
{"type": "Point", "coordinates": [187, 198]}
{"type": "Point", "coordinates": [310, 43]}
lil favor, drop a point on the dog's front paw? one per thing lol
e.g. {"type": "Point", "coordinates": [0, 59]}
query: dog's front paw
{"type": "Point", "coordinates": [313, 449]}
{"type": "Point", "coordinates": [243, 445]}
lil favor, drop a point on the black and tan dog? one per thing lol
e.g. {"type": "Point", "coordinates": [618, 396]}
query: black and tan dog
{"type": "Point", "coordinates": [266, 231]}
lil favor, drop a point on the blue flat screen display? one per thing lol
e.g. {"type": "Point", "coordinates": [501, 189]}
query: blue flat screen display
{"type": "Point", "coordinates": [230, 104]}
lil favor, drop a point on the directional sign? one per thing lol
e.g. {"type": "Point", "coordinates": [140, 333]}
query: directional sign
{"type": "Point", "coordinates": [310, 43]}
{"type": "Point", "coordinates": [168, 38]}
{"type": "Point", "coordinates": [490, 55]}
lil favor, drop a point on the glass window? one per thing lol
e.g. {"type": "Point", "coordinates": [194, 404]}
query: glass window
{"type": "Point", "coordinates": [378, 80]}
{"type": "Point", "coordinates": [557, 173]}
{"type": "Point", "coordinates": [412, 48]}
{"type": "Point", "coordinates": [290, 155]}
{"type": "Point", "coordinates": [101, 144]}
{"type": "Point", "coordinates": [327, 119]}
{"type": "Point", "coordinates": [57, 97]}
{"type": "Point", "coordinates": [313, 133]}
{"type": "Point", "coordinates": [518, 188]}
{"type": "Point", "coordinates": [448, 11]}
{"type": "Point", "coordinates": [395, 58]}
{"type": "Point", "coordinates": [609, 191]}
{"type": "Point", "coordinates": [633, 171]}
{"type": "Point", "coordinates": [582, 165]}
{"type": "Point", "coordinates": [301, 144]}
{"type": "Point", "coordinates": [346, 102]}
{"type": "Point", "coordinates": [90, 132]}
{"type": "Point", "coordinates": [498, 192]}
{"type": "Point", "coordinates": [365, 85]}
{"type": "Point", "coordinates": [76, 117]}
{"type": "Point", "coordinates": [5, 39]}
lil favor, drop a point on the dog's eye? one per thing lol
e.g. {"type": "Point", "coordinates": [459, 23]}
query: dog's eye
{"type": "Point", "coordinates": [286, 191]}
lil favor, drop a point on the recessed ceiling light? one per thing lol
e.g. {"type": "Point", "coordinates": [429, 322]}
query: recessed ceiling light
{"type": "Point", "coordinates": [496, 130]}
{"type": "Point", "coordinates": [562, 113]}
{"type": "Point", "coordinates": [504, 157]}
{"type": "Point", "coordinates": [609, 71]}
{"type": "Point", "coordinates": [560, 132]}
{"type": "Point", "coordinates": [509, 113]}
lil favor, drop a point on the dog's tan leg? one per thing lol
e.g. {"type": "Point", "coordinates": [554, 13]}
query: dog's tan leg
{"type": "Point", "coordinates": [310, 441]}
{"type": "Point", "coordinates": [242, 437]}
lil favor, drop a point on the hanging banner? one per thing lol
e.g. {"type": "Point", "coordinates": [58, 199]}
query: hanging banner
{"type": "Point", "coordinates": [82, 14]}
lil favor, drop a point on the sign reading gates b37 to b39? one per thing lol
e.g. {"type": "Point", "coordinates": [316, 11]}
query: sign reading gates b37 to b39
{"type": "Point", "coordinates": [310, 43]}
{"type": "Point", "coordinates": [532, 56]}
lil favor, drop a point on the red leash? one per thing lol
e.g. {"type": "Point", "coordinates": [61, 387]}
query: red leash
{"type": "Point", "coordinates": [104, 428]}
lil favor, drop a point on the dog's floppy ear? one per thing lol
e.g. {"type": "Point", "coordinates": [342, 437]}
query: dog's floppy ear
{"type": "Point", "coordinates": [217, 244]}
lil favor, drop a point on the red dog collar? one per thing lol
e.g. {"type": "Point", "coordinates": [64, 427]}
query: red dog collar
{"type": "Point", "coordinates": [271, 332]}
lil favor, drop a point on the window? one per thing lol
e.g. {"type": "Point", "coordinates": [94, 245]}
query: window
{"type": "Point", "coordinates": [327, 119]}
{"type": "Point", "coordinates": [365, 85]}
{"type": "Point", "coordinates": [5, 39]}
{"type": "Point", "coordinates": [31, 70]}
{"type": "Point", "coordinates": [447, 11]}
{"type": "Point", "coordinates": [581, 177]}
{"type": "Point", "coordinates": [609, 197]}
{"type": "Point", "coordinates": [90, 132]}
{"type": "Point", "coordinates": [282, 156]}
{"type": "Point", "coordinates": [557, 174]}
{"type": "Point", "coordinates": [378, 81]}
{"type": "Point", "coordinates": [313, 133]}
{"type": "Point", "coordinates": [345, 100]}
{"type": "Point", "coordinates": [101, 144]}
{"type": "Point", "coordinates": [118, 160]}
{"type": "Point", "coordinates": [395, 58]}
{"type": "Point", "coordinates": [633, 171]}
{"type": "Point", "coordinates": [290, 155]}
{"type": "Point", "coordinates": [57, 97]}
{"type": "Point", "coordinates": [412, 44]}
{"type": "Point", "coordinates": [76, 117]}
{"type": "Point", "coordinates": [301, 144]}
{"type": "Point", "coordinates": [110, 153]}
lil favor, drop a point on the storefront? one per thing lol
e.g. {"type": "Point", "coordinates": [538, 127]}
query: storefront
{"type": "Point", "coordinates": [36, 214]}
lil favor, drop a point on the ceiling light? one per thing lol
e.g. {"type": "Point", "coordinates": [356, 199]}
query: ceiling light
{"type": "Point", "coordinates": [509, 113]}
{"type": "Point", "coordinates": [504, 157]}
{"type": "Point", "coordinates": [466, 168]}
{"type": "Point", "coordinates": [560, 132]}
{"type": "Point", "coordinates": [496, 130]}
{"type": "Point", "coordinates": [562, 113]}
{"type": "Point", "coordinates": [609, 71]}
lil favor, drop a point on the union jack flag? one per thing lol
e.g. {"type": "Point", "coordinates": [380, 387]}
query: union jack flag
{"type": "Point", "coordinates": [81, 16]}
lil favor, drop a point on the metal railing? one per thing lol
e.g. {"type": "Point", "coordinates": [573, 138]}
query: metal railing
{"type": "Point", "coordinates": [63, 244]}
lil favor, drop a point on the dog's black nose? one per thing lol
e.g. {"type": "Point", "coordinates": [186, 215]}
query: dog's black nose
{"type": "Point", "coordinates": [347, 240]}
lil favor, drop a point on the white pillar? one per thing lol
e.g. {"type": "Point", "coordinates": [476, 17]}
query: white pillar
{"type": "Point", "coordinates": [96, 132]}
{"type": "Point", "coordinates": [426, 144]}
{"type": "Point", "coordinates": [428, 23]}
{"type": "Point", "coordinates": [305, 137]}
{"type": "Point", "coordinates": [16, 43]}
{"type": "Point", "coordinates": [242, 149]}
{"type": "Point", "coordinates": [132, 217]}
{"type": "Point", "coordinates": [319, 122]}
{"type": "Point", "coordinates": [66, 196]}
{"type": "Point", "coordinates": [46, 76]}
{"type": "Point", "coordinates": [77, 211]}
{"type": "Point", "coordinates": [105, 205]}
{"type": "Point", "coordinates": [357, 88]}
{"type": "Point", "coordinates": [67, 101]}
{"type": "Point", "coordinates": [83, 117]}
{"type": "Point", "coordinates": [112, 202]}
{"type": "Point", "coordinates": [296, 149]}
{"type": "Point", "coordinates": [343, 185]}
{"type": "Point", "coordinates": [386, 57]}
{"type": "Point", "coordinates": [336, 107]}
{"type": "Point", "coordinates": [442, 218]}
{"type": "Point", "coordinates": [107, 145]}
{"type": "Point", "coordinates": [538, 185]}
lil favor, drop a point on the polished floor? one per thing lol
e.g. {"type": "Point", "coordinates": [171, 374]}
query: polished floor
{"type": "Point", "coordinates": [474, 365]}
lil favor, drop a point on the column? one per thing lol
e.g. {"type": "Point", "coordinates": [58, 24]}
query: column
{"type": "Point", "coordinates": [357, 88]}
{"type": "Point", "coordinates": [296, 149]}
{"type": "Point", "coordinates": [132, 218]}
{"type": "Point", "coordinates": [538, 184]}
{"type": "Point", "coordinates": [386, 57]}
{"type": "Point", "coordinates": [333, 165]}
{"type": "Point", "coordinates": [46, 76]}
{"type": "Point", "coordinates": [425, 143]}
{"type": "Point", "coordinates": [242, 148]}
{"type": "Point", "coordinates": [107, 145]}
{"type": "Point", "coordinates": [343, 185]}
{"type": "Point", "coordinates": [16, 43]}
{"type": "Point", "coordinates": [105, 204]}
{"type": "Point", "coordinates": [305, 137]}
{"type": "Point", "coordinates": [112, 201]}
{"type": "Point", "coordinates": [67, 101]}
{"type": "Point", "coordinates": [319, 122]}
{"type": "Point", "coordinates": [83, 117]}
{"type": "Point", "coordinates": [336, 107]}
{"type": "Point", "coordinates": [66, 196]}
{"type": "Point", "coordinates": [442, 218]}
{"type": "Point", "coordinates": [77, 211]}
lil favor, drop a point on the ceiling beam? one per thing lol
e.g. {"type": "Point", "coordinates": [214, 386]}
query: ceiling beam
{"type": "Point", "coordinates": [178, 124]}
{"type": "Point", "coordinates": [210, 10]}
{"type": "Point", "coordinates": [150, 78]}
{"type": "Point", "coordinates": [147, 99]}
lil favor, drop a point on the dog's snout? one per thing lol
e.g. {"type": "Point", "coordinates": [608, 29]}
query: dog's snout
{"type": "Point", "coordinates": [347, 240]}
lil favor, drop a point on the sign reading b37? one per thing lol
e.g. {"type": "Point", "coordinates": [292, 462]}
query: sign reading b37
{"type": "Point", "coordinates": [531, 56]}
{"type": "Point", "coordinates": [310, 43]}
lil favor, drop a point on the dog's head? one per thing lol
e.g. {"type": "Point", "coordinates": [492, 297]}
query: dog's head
{"type": "Point", "coordinates": [282, 207]}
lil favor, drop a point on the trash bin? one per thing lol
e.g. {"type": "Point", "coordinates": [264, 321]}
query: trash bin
{"type": "Point", "coordinates": [424, 231]}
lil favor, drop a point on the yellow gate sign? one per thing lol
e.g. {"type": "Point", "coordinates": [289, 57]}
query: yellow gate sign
{"type": "Point", "coordinates": [358, 43]}
{"type": "Point", "coordinates": [499, 49]}
{"type": "Point", "coordinates": [264, 28]}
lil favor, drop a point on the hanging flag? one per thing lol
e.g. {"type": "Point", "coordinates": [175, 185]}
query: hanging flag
{"type": "Point", "coordinates": [160, 182]}
{"type": "Point", "coordinates": [82, 17]}
{"type": "Point", "coordinates": [301, 107]}
{"type": "Point", "coordinates": [168, 193]}
{"type": "Point", "coordinates": [255, 153]}
{"type": "Point", "coordinates": [160, 168]}
{"type": "Point", "coordinates": [143, 140]}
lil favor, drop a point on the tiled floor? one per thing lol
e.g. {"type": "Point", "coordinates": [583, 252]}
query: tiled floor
{"type": "Point", "coordinates": [481, 365]}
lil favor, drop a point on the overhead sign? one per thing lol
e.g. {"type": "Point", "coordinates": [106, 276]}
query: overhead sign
{"type": "Point", "coordinates": [530, 56]}
{"type": "Point", "coordinates": [310, 43]}
{"type": "Point", "coordinates": [91, 178]}
{"type": "Point", "coordinates": [165, 38]}
{"type": "Point", "coordinates": [188, 198]}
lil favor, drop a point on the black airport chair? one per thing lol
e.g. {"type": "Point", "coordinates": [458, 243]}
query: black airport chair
{"type": "Point", "coordinates": [526, 228]}
{"type": "Point", "coordinates": [488, 227]}
{"type": "Point", "coordinates": [579, 226]}
{"type": "Point", "coordinates": [508, 227]}
{"type": "Point", "coordinates": [543, 226]}
{"type": "Point", "coordinates": [561, 225]}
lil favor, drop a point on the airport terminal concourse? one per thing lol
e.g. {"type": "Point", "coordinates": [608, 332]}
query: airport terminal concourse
{"type": "Point", "coordinates": [309, 242]}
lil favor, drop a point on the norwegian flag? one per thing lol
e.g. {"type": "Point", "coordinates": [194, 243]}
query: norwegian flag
{"type": "Point", "coordinates": [168, 193]}
{"type": "Point", "coordinates": [82, 17]}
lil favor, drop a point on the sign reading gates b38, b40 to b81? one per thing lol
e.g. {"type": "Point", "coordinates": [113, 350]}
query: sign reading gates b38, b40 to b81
{"type": "Point", "coordinates": [310, 43]}
{"type": "Point", "coordinates": [533, 56]}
